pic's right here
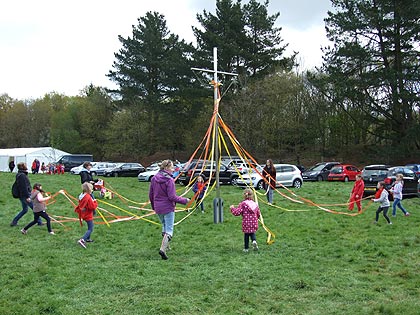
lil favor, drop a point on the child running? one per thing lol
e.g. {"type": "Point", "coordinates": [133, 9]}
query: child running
{"type": "Point", "coordinates": [250, 213]}
{"type": "Point", "coordinates": [381, 196]}
{"type": "Point", "coordinates": [397, 193]}
{"type": "Point", "coordinates": [199, 188]}
{"type": "Point", "coordinates": [39, 208]}
{"type": "Point", "coordinates": [357, 193]}
{"type": "Point", "coordinates": [85, 209]}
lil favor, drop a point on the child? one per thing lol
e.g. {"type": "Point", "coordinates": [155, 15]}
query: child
{"type": "Point", "coordinates": [39, 207]}
{"type": "Point", "coordinates": [85, 209]}
{"type": "Point", "coordinates": [397, 192]}
{"type": "Point", "coordinates": [357, 193]}
{"type": "Point", "coordinates": [199, 188]}
{"type": "Point", "coordinates": [382, 197]}
{"type": "Point", "coordinates": [250, 213]}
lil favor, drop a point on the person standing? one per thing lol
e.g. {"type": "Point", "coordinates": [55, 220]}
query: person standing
{"type": "Point", "coordinates": [381, 196]}
{"type": "Point", "coordinates": [199, 188]}
{"type": "Point", "coordinates": [357, 193]}
{"type": "Point", "coordinates": [163, 197]}
{"type": "Point", "coordinates": [250, 212]}
{"type": "Point", "coordinates": [397, 193]}
{"type": "Point", "coordinates": [11, 166]}
{"type": "Point", "coordinates": [39, 208]}
{"type": "Point", "coordinates": [24, 188]}
{"type": "Point", "coordinates": [269, 173]}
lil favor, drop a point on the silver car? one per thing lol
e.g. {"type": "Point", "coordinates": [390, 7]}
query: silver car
{"type": "Point", "coordinates": [286, 174]}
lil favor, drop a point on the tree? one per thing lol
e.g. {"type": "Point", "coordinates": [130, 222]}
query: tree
{"type": "Point", "coordinates": [373, 67]}
{"type": "Point", "coordinates": [153, 72]}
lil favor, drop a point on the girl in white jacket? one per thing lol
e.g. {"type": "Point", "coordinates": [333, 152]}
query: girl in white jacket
{"type": "Point", "coordinates": [381, 196]}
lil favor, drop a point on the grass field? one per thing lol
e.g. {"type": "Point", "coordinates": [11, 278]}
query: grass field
{"type": "Point", "coordinates": [320, 263]}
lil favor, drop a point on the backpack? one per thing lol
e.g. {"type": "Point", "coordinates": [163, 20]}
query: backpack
{"type": "Point", "coordinates": [15, 190]}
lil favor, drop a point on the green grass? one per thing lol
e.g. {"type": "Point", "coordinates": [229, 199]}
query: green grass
{"type": "Point", "coordinates": [321, 263]}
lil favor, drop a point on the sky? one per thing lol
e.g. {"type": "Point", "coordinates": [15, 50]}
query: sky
{"type": "Point", "coordinates": [63, 46]}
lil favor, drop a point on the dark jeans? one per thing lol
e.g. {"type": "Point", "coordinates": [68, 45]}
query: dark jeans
{"type": "Point", "coordinates": [247, 236]}
{"type": "Point", "coordinates": [89, 231]}
{"type": "Point", "coordinates": [200, 200]}
{"type": "Point", "coordinates": [37, 218]}
{"type": "Point", "coordinates": [385, 210]}
{"type": "Point", "coordinates": [25, 206]}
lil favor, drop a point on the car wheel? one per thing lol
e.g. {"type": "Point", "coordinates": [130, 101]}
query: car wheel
{"type": "Point", "coordinates": [297, 183]}
{"type": "Point", "coordinates": [150, 178]}
{"type": "Point", "coordinates": [234, 180]}
{"type": "Point", "coordinates": [93, 173]}
{"type": "Point", "coordinates": [260, 185]}
{"type": "Point", "coordinates": [346, 179]}
{"type": "Point", "coordinates": [320, 178]}
{"type": "Point", "coordinates": [115, 174]}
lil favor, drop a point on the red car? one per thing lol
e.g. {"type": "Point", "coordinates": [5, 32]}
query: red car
{"type": "Point", "coordinates": [343, 172]}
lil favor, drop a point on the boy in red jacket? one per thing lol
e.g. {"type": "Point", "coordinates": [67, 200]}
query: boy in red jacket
{"type": "Point", "coordinates": [85, 209]}
{"type": "Point", "coordinates": [357, 193]}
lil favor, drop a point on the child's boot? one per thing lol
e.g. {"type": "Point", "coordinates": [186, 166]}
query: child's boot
{"type": "Point", "coordinates": [164, 246]}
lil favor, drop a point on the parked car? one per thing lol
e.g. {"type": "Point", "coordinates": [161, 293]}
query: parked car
{"type": "Point", "coordinates": [415, 168]}
{"type": "Point", "coordinates": [154, 166]}
{"type": "Point", "coordinates": [198, 167]}
{"type": "Point", "coordinates": [72, 160]}
{"type": "Point", "coordinates": [286, 174]}
{"type": "Point", "coordinates": [319, 172]}
{"type": "Point", "coordinates": [77, 169]}
{"type": "Point", "coordinates": [372, 174]}
{"type": "Point", "coordinates": [98, 169]}
{"type": "Point", "coordinates": [147, 176]}
{"type": "Point", "coordinates": [125, 169]}
{"type": "Point", "coordinates": [343, 173]}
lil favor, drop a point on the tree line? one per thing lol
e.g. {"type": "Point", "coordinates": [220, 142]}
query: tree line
{"type": "Point", "coordinates": [361, 104]}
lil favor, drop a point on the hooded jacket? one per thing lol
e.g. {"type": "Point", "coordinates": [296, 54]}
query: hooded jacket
{"type": "Point", "coordinates": [250, 213]}
{"type": "Point", "coordinates": [24, 186]}
{"type": "Point", "coordinates": [86, 207]}
{"type": "Point", "coordinates": [162, 193]}
{"type": "Point", "coordinates": [85, 176]}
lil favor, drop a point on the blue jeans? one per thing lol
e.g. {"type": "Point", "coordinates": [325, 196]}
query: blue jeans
{"type": "Point", "coordinates": [89, 231]}
{"type": "Point", "coordinates": [167, 221]}
{"type": "Point", "coordinates": [397, 203]}
{"type": "Point", "coordinates": [247, 236]}
{"type": "Point", "coordinates": [25, 206]}
{"type": "Point", "coordinates": [270, 195]}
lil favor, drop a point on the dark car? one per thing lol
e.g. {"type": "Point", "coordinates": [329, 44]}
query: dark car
{"type": "Point", "coordinates": [415, 168]}
{"type": "Point", "coordinates": [198, 167]}
{"type": "Point", "coordinates": [125, 169]}
{"type": "Point", "coordinates": [372, 174]}
{"type": "Point", "coordinates": [319, 172]}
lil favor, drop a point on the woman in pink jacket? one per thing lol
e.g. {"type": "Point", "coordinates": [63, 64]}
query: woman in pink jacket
{"type": "Point", "coordinates": [250, 213]}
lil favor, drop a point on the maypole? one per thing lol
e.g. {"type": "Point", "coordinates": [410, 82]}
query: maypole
{"type": "Point", "coordinates": [218, 201]}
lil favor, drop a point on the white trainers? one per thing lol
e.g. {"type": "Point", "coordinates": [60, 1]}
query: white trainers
{"type": "Point", "coordinates": [52, 233]}
{"type": "Point", "coordinates": [24, 231]}
{"type": "Point", "coordinates": [245, 250]}
{"type": "Point", "coordinates": [254, 245]}
{"type": "Point", "coordinates": [82, 243]}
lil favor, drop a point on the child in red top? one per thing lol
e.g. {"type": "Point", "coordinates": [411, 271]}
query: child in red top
{"type": "Point", "coordinates": [357, 193]}
{"type": "Point", "coordinates": [199, 188]}
{"type": "Point", "coordinates": [85, 209]}
{"type": "Point", "coordinates": [250, 213]}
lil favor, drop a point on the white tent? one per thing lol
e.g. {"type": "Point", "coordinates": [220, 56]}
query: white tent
{"type": "Point", "coordinates": [27, 155]}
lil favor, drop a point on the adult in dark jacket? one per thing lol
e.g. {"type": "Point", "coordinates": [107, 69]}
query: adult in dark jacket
{"type": "Point", "coordinates": [163, 197]}
{"type": "Point", "coordinates": [85, 175]}
{"type": "Point", "coordinates": [24, 187]}
{"type": "Point", "coordinates": [269, 173]}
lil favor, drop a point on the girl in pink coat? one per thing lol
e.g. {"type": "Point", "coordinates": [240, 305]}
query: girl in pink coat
{"type": "Point", "coordinates": [250, 213]}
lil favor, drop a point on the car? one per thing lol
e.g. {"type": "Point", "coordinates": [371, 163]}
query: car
{"type": "Point", "coordinates": [77, 169]}
{"type": "Point", "coordinates": [287, 175]}
{"type": "Point", "coordinates": [98, 169]}
{"type": "Point", "coordinates": [415, 168]}
{"type": "Point", "coordinates": [147, 176]}
{"type": "Point", "coordinates": [241, 166]}
{"type": "Point", "coordinates": [154, 166]}
{"type": "Point", "coordinates": [319, 172]}
{"type": "Point", "coordinates": [125, 169]}
{"type": "Point", "coordinates": [343, 172]}
{"type": "Point", "coordinates": [207, 170]}
{"type": "Point", "coordinates": [72, 160]}
{"type": "Point", "coordinates": [372, 174]}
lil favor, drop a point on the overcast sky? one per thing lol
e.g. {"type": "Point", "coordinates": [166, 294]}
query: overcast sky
{"type": "Point", "coordinates": [63, 46]}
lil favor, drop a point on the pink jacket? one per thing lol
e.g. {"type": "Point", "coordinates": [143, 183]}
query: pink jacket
{"type": "Point", "coordinates": [250, 213]}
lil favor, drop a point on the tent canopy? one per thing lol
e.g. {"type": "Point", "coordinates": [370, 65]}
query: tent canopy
{"type": "Point", "coordinates": [27, 155]}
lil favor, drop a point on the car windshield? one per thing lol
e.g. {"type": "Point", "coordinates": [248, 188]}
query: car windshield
{"type": "Point", "coordinates": [318, 167]}
{"type": "Point", "coordinates": [336, 170]}
{"type": "Point", "coordinates": [375, 173]}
